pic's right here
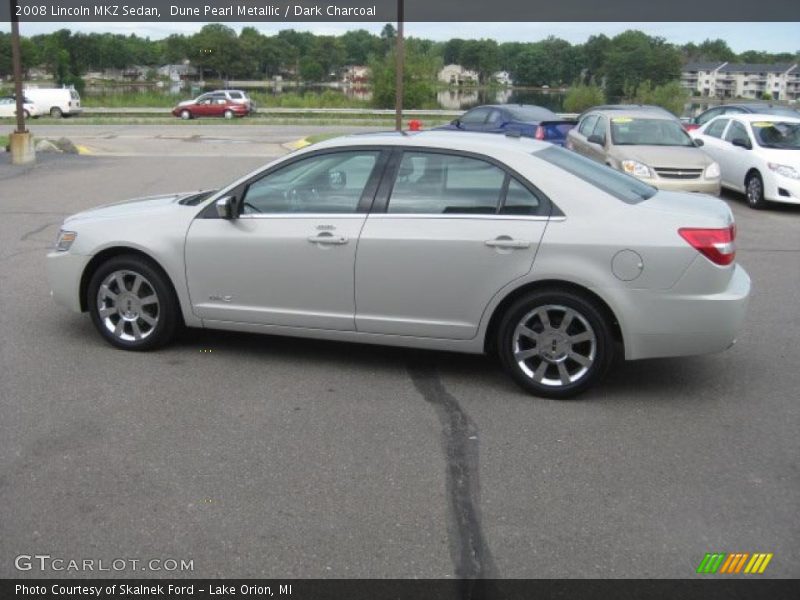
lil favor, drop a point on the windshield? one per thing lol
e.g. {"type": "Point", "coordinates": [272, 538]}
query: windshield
{"type": "Point", "coordinates": [777, 134]}
{"type": "Point", "coordinates": [628, 131]}
{"type": "Point", "coordinates": [620, 185]}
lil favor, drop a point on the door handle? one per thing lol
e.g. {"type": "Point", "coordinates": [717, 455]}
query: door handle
{"type": "Point", "coordinates": [328, 238]}
{"type": "Point", "coordinates": [507, 242]}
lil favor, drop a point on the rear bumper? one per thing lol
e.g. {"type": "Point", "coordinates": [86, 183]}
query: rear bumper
{"type": "Point", "coordinates": [662, 323]}
{"type": "Point", "coordinates": [64, 271]}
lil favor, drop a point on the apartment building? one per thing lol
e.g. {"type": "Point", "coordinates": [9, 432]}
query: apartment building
{"type": "Point", "coordinates": [742, 80]}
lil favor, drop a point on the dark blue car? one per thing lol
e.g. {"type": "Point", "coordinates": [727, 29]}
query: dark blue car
{"type": "Point", "coordinates": [514, 119]}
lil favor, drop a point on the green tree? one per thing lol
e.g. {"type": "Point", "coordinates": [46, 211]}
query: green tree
{"type": "Point", "coordinates": [215, 48]}
{"type": "Point", "coordinates": [419, 73]}
{"type": "Point", "coordinates": [580, 97]}
{"type": "Point", "coordinates": [670, 95]}
{"type": "Point", "coordinates": [634, 57]}
{"type": "Point", "coordinates": [481, 56]}
{"type": "Point", "coordinates": [358, 46]}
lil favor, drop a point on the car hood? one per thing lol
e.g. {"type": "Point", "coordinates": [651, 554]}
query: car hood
{"type": "Point", "coordinates": [670, 157]}
{"type": "Point", "coordinates": [186, 103]}
{"type": "Point", "coordinates": [783, 157]}
{"type": "Point", "coordinates": [134, 207]}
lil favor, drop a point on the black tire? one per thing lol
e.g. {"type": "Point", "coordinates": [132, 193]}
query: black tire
{"type": "Point", "coordinates": [186, 115]}
{"type": "Point", "coordinates": [754, 190]}
{"type": "Point", "coordinates": [153, 282]}
{"type": "Point", "coordinates": [228, 114]}
{"type": "Point", "coordinates": [586, 319]}
{"type": "Point", "coordinates": [56, 112]}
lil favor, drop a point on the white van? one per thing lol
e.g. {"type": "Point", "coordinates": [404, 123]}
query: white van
{"type": "Point", "coordinates": [56, 102]}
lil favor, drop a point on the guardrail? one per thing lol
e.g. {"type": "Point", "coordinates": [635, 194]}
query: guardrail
{"type": "Point", "coordinates": [367, 112]}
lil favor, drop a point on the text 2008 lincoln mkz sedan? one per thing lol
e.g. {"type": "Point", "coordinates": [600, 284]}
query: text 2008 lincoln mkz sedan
{"type": "Point", "coordinates": [464, 242]}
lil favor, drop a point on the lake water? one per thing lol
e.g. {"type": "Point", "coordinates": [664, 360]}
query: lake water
{"type": "Point", "coordinates": [450, 99]}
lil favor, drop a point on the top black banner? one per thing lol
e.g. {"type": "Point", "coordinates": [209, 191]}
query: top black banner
{"type": "Point", "coordinates": [356, 11]}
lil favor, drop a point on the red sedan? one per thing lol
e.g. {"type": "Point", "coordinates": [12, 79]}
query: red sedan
{"type": "Point", "coordinates": [210, 107]}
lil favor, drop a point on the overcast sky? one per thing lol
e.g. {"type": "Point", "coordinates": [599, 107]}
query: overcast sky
{"type": "Point", "coordinates": [770, 37]}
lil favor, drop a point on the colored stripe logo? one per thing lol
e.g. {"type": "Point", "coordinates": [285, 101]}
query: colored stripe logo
{"type": "Point", "coordinates": [734, 563]}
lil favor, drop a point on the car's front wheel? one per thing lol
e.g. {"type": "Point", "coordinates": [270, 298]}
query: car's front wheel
{"type": "Point", "coordinates": [754, 187]}
{"type": "Point", "coordinates": [132, 304]}
{"type": "Point", "coordinates": [555, 343]}
{"type": "Point", "coordinates": [228, 114]}
{"type": "Point", "coordinates": [186, 115]}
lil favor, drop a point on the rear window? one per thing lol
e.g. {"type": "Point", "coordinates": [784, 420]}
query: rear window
{"type": "Point", "coordinates": [236, 95]}
{"type": "Point", "coordinates": [73, 94]}
{"type": "Point", "coordinates": [531, 113]}
{"type": "Point", "coordinates": [620, 185]}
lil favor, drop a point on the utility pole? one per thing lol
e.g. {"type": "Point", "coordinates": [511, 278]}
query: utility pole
{"type": "Point", "coordinates": [21, 141]}
{"type": "Point", "coordinates": [398, 102]}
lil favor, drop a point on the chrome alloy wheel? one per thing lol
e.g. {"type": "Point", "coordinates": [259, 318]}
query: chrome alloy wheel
{"type": "Point", "coordinates": [554, 345]}
{"type": "Point", "coordinates": [128, 306]}
{"type": "Point", "coordinates": [755, 190]}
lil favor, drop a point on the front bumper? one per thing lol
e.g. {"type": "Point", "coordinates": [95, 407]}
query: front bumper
{"type": "Point", "coordinates": [702, 186]}
{"type": "Point", "coordinates": [64, 271]}
{"type": "Point", "coordinates": [778, 188]}
{"type": "Point", "coordinates": [681, 322]}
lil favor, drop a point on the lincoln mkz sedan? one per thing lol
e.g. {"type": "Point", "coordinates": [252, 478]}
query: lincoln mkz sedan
{"type": "Point", "coordinates": [446, 241]}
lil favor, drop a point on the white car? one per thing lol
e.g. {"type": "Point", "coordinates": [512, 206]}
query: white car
{"type": "Point", "coordinates": [450, 241]}
{"type": "Point", "coordinates": [8, 108]}
{"type": "Point", "coordinates": [757, 154]}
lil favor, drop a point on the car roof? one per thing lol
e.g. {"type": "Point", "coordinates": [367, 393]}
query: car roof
{"type": "Point", "coordinates": [634, 113]}
{"type": "Point", "coordinates": [650, 108]}
{"type": "Point", "coordinates": [751, 117]}
{"type": "Point", "coordinates": [485, 143]}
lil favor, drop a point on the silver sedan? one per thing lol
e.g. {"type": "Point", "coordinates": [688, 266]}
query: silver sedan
{"type": "Point", "coordinates": [462, 242]}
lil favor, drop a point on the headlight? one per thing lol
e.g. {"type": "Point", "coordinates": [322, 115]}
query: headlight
{"type": "Point", "coordinates": [637, 169]}
{"type": "Point", "coordinates": [64, 240]}
{"type": "Point", "coordinates": [784, 170]}
{"type": "Point", "coordinates": [712, 171]}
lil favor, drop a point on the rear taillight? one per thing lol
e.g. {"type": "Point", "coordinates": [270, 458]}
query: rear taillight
{"type": "Point", "coordinates": [690, 126]}
{"type": "Point", "coordinates": [715, 244]}
{"type": "Point", "coordinates": [539, 135]}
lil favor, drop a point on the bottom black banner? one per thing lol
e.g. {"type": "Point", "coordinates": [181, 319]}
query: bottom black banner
{"type": "Point", "coordinates": [405, 589]}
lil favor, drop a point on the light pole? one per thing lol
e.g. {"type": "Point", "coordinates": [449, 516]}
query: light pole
{"type": "Point", "coordinates": [21, 141]}
{"type": "Point", "coordinates": [398, 101]}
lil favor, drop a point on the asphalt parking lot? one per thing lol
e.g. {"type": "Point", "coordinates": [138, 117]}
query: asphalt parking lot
{"type": "Point", "coordinates": [259, 456]}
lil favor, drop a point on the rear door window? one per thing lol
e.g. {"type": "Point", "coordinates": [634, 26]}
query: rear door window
{"type": "Point", "coordinates": [476, 116]}
{"type": "Point", "coordinates": [436, 183]}
{"type": "Point", "coordinates": [716, 128]}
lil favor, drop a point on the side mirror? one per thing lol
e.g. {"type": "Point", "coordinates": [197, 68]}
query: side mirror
{"type": "Point", "coordinates": [742, 143]}
{"type": "Point", "coordinates": [597, 139]}
{"type": "Point", "coordinates": [698, 142]}
{"type": "Point", "coordinates": [225, 207]}
{"type": "Point", "coordinates": [456, 123]}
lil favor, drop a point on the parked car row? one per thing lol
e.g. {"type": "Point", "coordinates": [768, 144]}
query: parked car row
{"type": "Point", "coordinates": [219, 103]}
{"type": "Point", "coordinates": [750, 148]}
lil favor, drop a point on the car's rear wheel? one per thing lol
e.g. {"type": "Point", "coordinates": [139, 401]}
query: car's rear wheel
{"type": "Point", "coordinates": [555, 343]}
{"type": "Point", "coordinates": [56, 112]}
{"type": "Point", "coordinates": [228, 114]}
{"type": "Point", "coordinates": [754, 189]}
{"type": "Point", "coordinates": [132, 304]}
{"type": "Point", "coordinates": [186, 115]}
